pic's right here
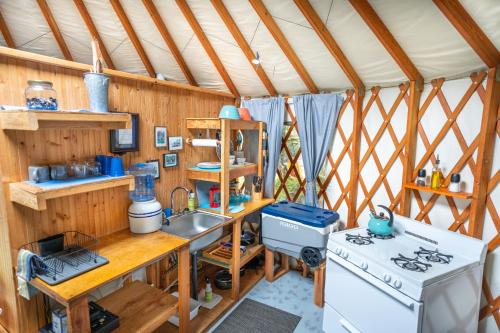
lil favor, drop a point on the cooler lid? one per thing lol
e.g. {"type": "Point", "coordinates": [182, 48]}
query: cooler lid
{"type": "Point", "coordinates": [308, 215]}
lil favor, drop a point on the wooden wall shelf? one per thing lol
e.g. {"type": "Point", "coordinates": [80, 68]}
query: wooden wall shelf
{"type": "Point", "coordinates": [215, 123]}
{"type": "Point", "coordinates": [35, 197]}
{"type": "Point", "coordinates": [441, 191]}
{"type": "Point", "coordinates": [140, 307]}
{"type": "Point", "coordinates": [214, 176]}
{"type": "Point", "coordinates": [34, 120]}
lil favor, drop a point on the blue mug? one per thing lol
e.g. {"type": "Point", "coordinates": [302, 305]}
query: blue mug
{"type": "Point", "coordinates": [116, 168]}
{"type": "Point", "coordinates": [105, 161]}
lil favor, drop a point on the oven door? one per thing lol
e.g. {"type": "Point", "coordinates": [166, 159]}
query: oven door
{"type": "Point", "coordinates": [364, 304]}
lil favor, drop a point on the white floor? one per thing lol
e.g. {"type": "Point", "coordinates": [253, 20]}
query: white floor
{"type": "Point", "coordinates": [291, 293]}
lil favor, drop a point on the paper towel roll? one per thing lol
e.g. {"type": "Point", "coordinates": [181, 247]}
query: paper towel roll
{"type": "Point", "coordinates": [204, 142]}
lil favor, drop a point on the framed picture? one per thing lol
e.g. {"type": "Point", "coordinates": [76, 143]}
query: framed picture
{"type": "Point", "coordinates": [175, 143]}
{"type": "Point", "coordinates": [125, 140]}
{"type": "Point", "coordinates": [156, 165]}
{"type": "Point", "coordinates": [170, 160]}
{"type": "Point", "coordinates": [161, 137]}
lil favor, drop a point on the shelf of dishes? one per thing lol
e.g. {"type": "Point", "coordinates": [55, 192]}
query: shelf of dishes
{"type": "Point", "coordinates": [214, 175]}
{"type": "Point", "coordinates": [215, 123]}
{"type": "Point", "coordinates": [31, 120]}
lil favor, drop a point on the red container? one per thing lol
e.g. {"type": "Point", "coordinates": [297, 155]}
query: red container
{"type": "Point", "coordinates": [244, 114]}
{"type": "Point", "coordinates": [214, 196]}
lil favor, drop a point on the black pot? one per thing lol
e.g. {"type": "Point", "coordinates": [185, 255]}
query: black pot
{"type": "Point", "coordinates": [247, 238]}
{"type": "Point", "coordinates": [224, 280]}
{"type": "Point", "coordinates": [51, 245]}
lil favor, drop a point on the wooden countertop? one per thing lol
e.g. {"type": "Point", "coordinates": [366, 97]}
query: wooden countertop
{"type": "Point", "coordinates": [125, 251]}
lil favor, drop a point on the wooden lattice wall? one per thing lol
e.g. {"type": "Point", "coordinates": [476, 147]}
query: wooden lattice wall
{"type": "Point", "coordinates": [442, 123]}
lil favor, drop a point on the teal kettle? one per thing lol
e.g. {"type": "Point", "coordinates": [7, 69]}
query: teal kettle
{"type": "Point", "coordinates": [380, 224]}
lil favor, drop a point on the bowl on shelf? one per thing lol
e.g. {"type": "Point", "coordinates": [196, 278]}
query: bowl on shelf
{"type": "Point", "coordinates": [241, 160]}
{"type": "Point", "coordinates": [229, 112]}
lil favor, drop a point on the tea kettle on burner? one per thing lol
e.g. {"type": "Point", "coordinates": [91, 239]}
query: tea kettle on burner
{"type": "Point", "coordinates": [380, 224]}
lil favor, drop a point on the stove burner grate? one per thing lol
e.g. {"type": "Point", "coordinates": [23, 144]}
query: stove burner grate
{"type": "Point", "coordinates": [433, 256]}
{"type": "Point", "coordinates": [358, 239]}
{"type": "Point", "coordinates": [372, 235]}
{"type": "Point", "coordinates": [411, 264]}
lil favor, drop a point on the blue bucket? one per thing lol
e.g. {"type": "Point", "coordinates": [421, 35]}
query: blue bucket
{"type": "Point", "coordinates": [97, 88]}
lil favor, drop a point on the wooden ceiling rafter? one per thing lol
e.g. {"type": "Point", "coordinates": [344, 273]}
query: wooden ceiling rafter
{"type": "Point", "coordinates": [470, 31]}
{"type": "Point", "coordinates": [378, 27]}
{"type": "Point", "coordinates": [191, 19]}
{"type": "Point", "coordinates": [93, 31]}
{"type": "Point", "coordinates": [4, 29]}
{"type": "Point", "coordinates": [283, 43]}
{"type": "Point", "coordinates": [122, 16]}
{"type": "Point", "coordinates": [329, 42]}
{"type": "Point", "coordinates": [44, 7]}
{"type": "Point", "coordinates": [167, 38]}
{"type": "Point", "coordinates": [243, 44]}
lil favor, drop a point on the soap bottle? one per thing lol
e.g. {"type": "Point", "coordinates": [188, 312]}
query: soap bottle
{"type": "Point", "coordinates": [191, 201]}
{"type": "Point", "coordinates": [437, 175]}
{"type": "Point", "coordinates": [208, 290]}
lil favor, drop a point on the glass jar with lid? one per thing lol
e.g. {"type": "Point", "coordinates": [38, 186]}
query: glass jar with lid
{"type": "Point", "coordinates": [40, 95]}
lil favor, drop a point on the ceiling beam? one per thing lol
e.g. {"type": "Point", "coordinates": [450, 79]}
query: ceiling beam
{"type": "Point", "coordinates": [93, 32]}
{"type": "Point", "coordinates": [470, 31]}
{"type": "Point", "coordinates": [243, 44]}
{"type": "Point", "coordinates": [44, 7]}
{"type": "Point", "coordinates": [330, 43]}
{"type": "Point", "coordinates": [6, 33]}
{"type": "Point", "coordinates": [162, 28]}
{"type": "Point", "coordinates": [375, 23]}
{"type": "Point", "coordinates": [280, 38]}
{"type": "Point", "coordinates": [120, 12]}
{"type": "Point", "coordinates": [188, 14]}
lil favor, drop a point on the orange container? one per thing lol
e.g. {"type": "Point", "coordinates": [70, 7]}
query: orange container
{"type": "Point", "coordinates": [244, 114]}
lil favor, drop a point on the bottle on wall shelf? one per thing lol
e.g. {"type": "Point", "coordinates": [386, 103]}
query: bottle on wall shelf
{"type": "Point", "coordinates": [191, 201]}
{"type": "Point", "coordinates": [454, 183]}
{"type": "Point", "coordinates": [421, 177]}
{"type": "Point", "coordinates": [437, 175]}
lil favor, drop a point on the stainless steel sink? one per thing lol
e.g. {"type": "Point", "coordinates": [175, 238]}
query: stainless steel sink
{"type": "Point", "coordinates": [189, 225]}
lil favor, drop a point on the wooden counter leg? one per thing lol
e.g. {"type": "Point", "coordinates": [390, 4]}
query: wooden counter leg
{"type": "Point", "coordinates": [78, 315]}
{"type": "Point", "coordinates": [269, 265]}
{"type": "Point", "coordinates": [184, 286]}
{"type": "Point", "coordinates": [319, 285]}
{"type": "Point", "coordinates": [235, 264]}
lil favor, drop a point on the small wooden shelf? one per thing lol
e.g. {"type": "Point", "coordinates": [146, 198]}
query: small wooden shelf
{"type": "Point", "coordinates": [140, 307]}
{"type": "Point", "coordinates": [441, 191]}
{"type": "Point", "coordinates": [33, 196]}
{"type": "Point", "coordinates": [215, 123]}
{"type": "Point", "coordinates": [31, 120]}
{"type": "Point", "coordinates": [214, 176]}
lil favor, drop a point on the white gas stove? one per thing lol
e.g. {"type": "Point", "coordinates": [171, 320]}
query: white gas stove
{"type": "Point", "coordinates": [419, 279]}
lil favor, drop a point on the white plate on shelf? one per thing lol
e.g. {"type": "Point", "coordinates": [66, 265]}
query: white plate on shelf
{"type": "Point", "coordinates": [208, 165]}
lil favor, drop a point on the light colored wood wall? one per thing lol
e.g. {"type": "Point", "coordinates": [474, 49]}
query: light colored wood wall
{"type": "Point", "coordinates": [97, 213]}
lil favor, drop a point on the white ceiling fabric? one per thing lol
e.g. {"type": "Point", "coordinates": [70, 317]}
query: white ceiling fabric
{"type": "Point", "coordinates": [431, 42]}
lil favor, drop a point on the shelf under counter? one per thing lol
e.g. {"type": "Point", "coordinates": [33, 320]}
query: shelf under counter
{"type": "Point", "coordinates": [214, 175]}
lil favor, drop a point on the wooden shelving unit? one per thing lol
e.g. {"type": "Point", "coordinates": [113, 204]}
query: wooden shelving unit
{"type": "Point", "coordinates": [440, 191]}
{"type": "Point", "coordinates": [215, 123]}
{"type": "Point", "coordinates": [215, 176]}
{"type": "Point", "coordinates": [30, 195]}
{"type": "Point", "coordinates": [31, 120]}
{"type": "Point", "coordinates": [140, 307]}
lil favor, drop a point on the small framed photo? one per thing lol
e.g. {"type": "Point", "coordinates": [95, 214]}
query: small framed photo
{"type": "Point", "coordinates": [175, 143]}
{"type": "Point", "coordinates": [170, 160]}
{"type": "Point", "coordinates": [156, 165]}
{"type": "Point", "coordinates": [161, 137]}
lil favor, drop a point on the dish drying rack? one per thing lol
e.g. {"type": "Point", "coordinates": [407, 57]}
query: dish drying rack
{"type": "Point", "coordinates": [76, 258]}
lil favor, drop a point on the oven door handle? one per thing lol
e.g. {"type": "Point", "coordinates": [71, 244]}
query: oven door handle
{"type": "Point", "coordinates": [348, 327]}
{"type": "Point", "coordinates": [386, 289]}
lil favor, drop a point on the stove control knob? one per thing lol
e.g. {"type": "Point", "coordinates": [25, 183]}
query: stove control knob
{"type": "Point", "coordinates": [387, 278]}
{"type": "Point", "coordinates": [397, 284]}
{"type": "Point", "coordinates": [344, 254]}
{"type": "Point", "coordinates": [338, 250]}
{"type": "Point", "coordinates": [364, 266]}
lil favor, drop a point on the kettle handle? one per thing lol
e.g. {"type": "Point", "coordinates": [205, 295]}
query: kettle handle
{"type": "Point", "coordinates": [391, 215]}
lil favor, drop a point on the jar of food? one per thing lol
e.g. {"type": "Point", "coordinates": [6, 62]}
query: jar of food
{"type": "Point", "coordinates": [40, 95]}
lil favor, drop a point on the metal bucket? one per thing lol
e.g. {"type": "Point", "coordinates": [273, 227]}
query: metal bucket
{"type": "Point", "coordinates": [97, 88]}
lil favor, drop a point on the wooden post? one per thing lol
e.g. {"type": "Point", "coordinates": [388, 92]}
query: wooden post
{"type": "Point", "coordinates": [184, 286]}
{"type": "Point", "coordinates": [416, 88]}
{"type": "Point", "coordinates": [224, 174]}
{"type": "Point", "coordinates": [319, 285]}
{"type": "Point", "coordinates": [269, 265]}
{"type": "Point", "coordinates": [485, 153]}
{"type": "Point", "coordinates": [78, 315]}
{"type": "Point", "coordinates": [235, 260]}
{"type": "Point", "coordinates": [356, 139]}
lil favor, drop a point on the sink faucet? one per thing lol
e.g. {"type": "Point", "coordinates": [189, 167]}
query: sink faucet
{"type": "Point", "coordinates": [172, 196]}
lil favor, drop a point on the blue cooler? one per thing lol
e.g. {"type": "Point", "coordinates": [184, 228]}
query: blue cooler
{"type": "Point", "coordinates": [297, 230]}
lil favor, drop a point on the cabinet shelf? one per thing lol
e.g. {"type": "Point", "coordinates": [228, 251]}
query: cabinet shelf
{"type": "Point", "coordinates": [140, 307]}
{"type": "Point", "coordinates": [215, 123]}
{"type": "Point", "coordinates": [30, 120]}
{"type": "Point", "coordinates": [35, 196]}
{"type": "Point", "coordinates": [440, 191]}
{"type": "Point", "coordinates": [214, 175]}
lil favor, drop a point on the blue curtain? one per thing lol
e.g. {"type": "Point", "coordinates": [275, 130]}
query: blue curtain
{"type": "Point", "coordinates": [272, 112]}
{"type": "Point", "coordinates": [316, 122]}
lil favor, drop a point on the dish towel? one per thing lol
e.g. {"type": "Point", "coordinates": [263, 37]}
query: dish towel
{"type": "Point", "coordinates": [25, 272]}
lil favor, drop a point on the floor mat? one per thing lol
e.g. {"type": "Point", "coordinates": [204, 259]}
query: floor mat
{"type": "Point", "coordinates": [254, 317]}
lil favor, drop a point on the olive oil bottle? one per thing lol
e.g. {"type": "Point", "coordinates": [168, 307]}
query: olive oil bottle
{"type": "Point", "coordinates": [437, 175]}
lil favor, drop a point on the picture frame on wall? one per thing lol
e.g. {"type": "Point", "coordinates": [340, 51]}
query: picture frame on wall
{"type": "Point", "coordinates": [170, 160]}
{"type": "Point", "coordinates": [125, 140]}
{"type": "Point", "coordinates": [175, 143]}
{"type": "Point", "coordinates": [156, 165]}
{"type": "Point", "coordinates": [161, 138]}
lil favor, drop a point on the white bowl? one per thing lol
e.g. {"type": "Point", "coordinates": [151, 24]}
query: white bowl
{"type": "Point", "coordinates": [241, 160]}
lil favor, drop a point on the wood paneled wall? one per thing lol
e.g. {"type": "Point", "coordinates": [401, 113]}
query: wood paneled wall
{"type": "Point", "coordinates": [97, 213]}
